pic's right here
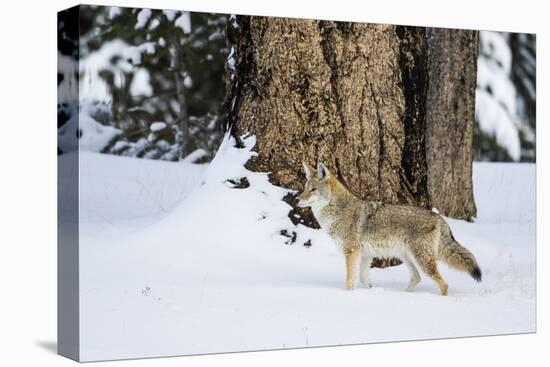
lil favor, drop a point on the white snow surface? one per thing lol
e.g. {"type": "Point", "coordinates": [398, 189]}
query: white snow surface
{"type": "Point", "coordinates": [175, 261]}
{"type": "Point", "coordinates": [119, 195]}
{"type": "Point", "coordinates": [195, 155]}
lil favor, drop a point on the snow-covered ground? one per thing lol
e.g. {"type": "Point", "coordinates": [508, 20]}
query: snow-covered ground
{"type": "Point", "coordinates": [174, 261]}
{"type": "Point", "coordinates": [120, 195]}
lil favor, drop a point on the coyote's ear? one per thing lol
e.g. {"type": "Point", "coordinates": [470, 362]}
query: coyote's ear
{"type": "Point", "coordinates": [308, 170]}
{"type": "Point", "coordinates": [322, 172]}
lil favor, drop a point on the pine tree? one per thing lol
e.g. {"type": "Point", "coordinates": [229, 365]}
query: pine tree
{"type": "Point", "coordinates": [506, 97]}
{"type": "Point", "coordinates": [166, 66]}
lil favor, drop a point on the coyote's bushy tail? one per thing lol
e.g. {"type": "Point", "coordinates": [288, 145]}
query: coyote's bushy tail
{"type": "Point", "coordinates": [458, 257]}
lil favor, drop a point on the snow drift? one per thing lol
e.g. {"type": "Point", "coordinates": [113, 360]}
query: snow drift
{"type": "Point", "coordinates": [211, 272]}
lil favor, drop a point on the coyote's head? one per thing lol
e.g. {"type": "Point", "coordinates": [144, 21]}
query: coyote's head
{"type": "Point", "coordinates": [317, 190]}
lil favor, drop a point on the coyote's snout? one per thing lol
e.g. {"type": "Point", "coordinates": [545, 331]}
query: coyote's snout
{"type": "Point", "coordinates": [366, 229]}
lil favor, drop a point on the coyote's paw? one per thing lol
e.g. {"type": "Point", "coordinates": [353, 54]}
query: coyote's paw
{"type": "Point", "coordinates": [409, 288]}
{"type": "Point", "coordinates": [365, 281]}
{"type": "Point", "coordinates": [366, 284]}
{"type": "Point", "coordinates": [412, 284]}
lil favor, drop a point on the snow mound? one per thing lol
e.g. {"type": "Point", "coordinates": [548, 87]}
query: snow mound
{"type": "Point", "coordinates": [122, 195]}
{"type": "Point", "coordinates": [260, 205]}
{"type": "Point", "coordinates": [505, 192]}
{"type": "Point", "coordinates": [195, 156]}
{"type": "Point", "coordinates": [212, 272]}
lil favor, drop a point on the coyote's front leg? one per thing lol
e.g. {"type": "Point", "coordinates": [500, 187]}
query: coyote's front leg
{"type": "Point", "coordinates": [353, 259]}
{"type": "Point", "coordinates": [366, 261]}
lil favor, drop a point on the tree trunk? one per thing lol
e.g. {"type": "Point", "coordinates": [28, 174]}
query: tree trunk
{"type": "Point", "coordinates": [450, 119]}
{"type": "Point", "coordinates": [351, 95]}
{"type": "Point", "coordinates": [345, 94]}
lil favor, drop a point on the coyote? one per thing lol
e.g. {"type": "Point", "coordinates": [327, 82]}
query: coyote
{"type": "Point", "coordinates": [367, 229]}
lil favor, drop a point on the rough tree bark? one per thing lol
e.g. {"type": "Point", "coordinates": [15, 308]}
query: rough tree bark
{"type": "Point", "coordinates": [350, 95]}
{"type": "Point", "coordinates": [450, 118]}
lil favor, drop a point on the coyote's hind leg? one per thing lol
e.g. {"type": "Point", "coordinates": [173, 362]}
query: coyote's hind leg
{"type": "Point", "coordinates": [426, 260]}
{"type": "Point", "coordinates": [415, 276]}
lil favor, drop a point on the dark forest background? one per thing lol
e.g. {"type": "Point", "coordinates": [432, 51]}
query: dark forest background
{"type": "Point", "coordinates": [152, 85]}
